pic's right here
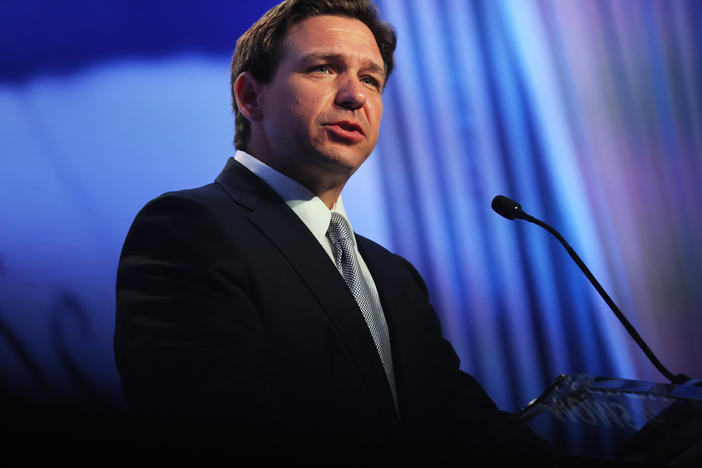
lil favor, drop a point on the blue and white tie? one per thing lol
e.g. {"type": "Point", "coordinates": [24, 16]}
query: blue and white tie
{"type": "Point", "coordinates": [367, 299]}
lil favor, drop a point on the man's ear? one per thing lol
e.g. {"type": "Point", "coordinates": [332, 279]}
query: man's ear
{"type": "Point", "coordinates": [247, 92]}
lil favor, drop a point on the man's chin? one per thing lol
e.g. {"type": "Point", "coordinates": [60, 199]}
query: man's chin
{"type": "Point", "coordinates": [343, 160]}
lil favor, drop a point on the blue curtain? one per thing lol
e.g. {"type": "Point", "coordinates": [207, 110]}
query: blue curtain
{"type": "Point", "coordinates": [588, 114]}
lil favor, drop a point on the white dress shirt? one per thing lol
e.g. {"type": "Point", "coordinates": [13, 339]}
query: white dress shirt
{"type": "Point", "coordinates": [307, 206]}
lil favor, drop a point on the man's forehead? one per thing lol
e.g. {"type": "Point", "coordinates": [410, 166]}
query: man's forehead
{"type": "Point", "coordinates": [328, 34]}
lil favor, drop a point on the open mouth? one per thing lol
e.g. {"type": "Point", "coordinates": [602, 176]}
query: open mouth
{"type": "Point", "coordinates": [345, 130]}
{"type": "Point", "coordinates": [347, 126]}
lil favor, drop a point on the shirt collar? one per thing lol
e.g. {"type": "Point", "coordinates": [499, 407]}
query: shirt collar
{"type": "Point", "coordinates": [306, 205]}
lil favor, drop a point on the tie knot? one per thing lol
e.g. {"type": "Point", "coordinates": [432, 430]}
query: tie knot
{"type": "Point", "coordinates": [338, 230]}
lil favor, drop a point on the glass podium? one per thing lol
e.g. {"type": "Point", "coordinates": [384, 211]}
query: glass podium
{"type": "Point", "coordinates": [614, 420]}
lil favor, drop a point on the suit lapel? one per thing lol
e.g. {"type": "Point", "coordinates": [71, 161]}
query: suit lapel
{"type": "Point", "coordinates": [275, 220]}
{"type": "Point", "coordinates": [395, 307]}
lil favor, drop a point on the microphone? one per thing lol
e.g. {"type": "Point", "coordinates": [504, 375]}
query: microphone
{"type": "Point", "coordinates": [510, 209]}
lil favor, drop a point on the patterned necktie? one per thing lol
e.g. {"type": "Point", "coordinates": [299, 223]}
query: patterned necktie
{"type": "Point", "coordinates": [367, 300]}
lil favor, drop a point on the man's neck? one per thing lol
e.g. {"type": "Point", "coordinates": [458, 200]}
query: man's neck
{"type": "Point", "coordinates": [329, 197]}
{"type": "Point", "coordinates": [327, 186]}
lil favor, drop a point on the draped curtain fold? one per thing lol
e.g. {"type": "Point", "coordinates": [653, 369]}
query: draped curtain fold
{"type": "Point", "coordinates": [588, 114]}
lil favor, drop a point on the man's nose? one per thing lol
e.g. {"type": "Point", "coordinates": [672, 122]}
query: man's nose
{"type": "Point", "coordinates": [350, 94]}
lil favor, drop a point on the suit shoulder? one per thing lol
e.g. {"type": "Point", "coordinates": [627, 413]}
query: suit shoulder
{"type": "Point", "coordinates": [185, 218]}
{"type": "Point", "coordinates": [209, 201]}
{"type": "Point", "coordinates": [377, 251]}
{"type": "Point", "coordinates": [207, 196]}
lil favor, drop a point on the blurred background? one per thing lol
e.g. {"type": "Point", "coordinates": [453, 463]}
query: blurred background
{"type": "Point", "coordinates": [587, 112]}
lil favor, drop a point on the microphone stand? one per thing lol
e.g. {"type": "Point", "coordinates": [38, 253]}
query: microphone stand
{"type": "Point", "coordinates": [511, 210]}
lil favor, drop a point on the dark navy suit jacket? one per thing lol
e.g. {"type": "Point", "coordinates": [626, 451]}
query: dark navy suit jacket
{"type": "Point", "coordinates": [231, 317]}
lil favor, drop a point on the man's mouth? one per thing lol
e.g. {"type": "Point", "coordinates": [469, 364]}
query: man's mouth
{"type": "Point", "coordinates": [346, 130]}
{"type": "Point", "coordinates": [350, 126]}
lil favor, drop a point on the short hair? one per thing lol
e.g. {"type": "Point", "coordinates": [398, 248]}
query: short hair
{"type": "Point", "coordinates": [258, 50]}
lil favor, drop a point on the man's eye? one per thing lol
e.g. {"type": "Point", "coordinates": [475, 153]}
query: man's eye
{"type": "Point", "coordinates": [321, 68]}
{"type": "Point", "coordinates": [371, 81]}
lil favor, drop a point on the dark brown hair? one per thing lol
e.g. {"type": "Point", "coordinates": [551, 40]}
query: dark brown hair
{"type": "Point", "coordinates": [258, 50]}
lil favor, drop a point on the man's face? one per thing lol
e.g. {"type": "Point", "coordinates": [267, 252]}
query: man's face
{"type": "Point", "coordinates": [321, 112]}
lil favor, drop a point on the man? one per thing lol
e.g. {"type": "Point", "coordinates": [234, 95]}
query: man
{"type": "Point", "coordinates": [248, 309]}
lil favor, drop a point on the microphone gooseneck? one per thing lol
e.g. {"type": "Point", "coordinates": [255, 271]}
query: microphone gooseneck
{"type": "Point", "coordinates": [510, 209]}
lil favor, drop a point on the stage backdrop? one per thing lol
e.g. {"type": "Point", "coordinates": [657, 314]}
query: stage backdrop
{"type": "Point", "coordinates": [587, 112]}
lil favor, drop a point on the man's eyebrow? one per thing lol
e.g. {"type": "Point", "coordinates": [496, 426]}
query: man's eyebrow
{"type": "Point", "coordinates": [374, 67]}
{"type": "Point", "coordinates": [368, 64]}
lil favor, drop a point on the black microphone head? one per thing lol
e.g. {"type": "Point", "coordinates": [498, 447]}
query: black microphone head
{"type": "Point", "coordinates": [506, 207]}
